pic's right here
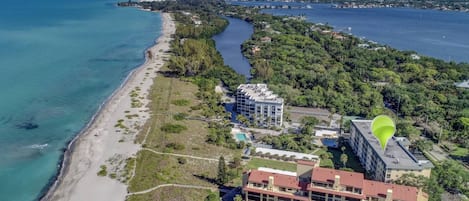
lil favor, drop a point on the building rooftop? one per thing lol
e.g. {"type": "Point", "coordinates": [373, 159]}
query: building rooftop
{"type": "Point", "coordinates": [260, 93]}
{"type": "Point", "coordinates": [325, 133]}
{"type": "Point", "coordinates": [305, 162]}
{"type": "Point", "coordinates": [271, 170]}
{"type": "Point", "coordinates": [464, 84]}
{"type": "Point", "coordinates": [399, 192]}
{"type": "Point", "coordinates": [369, 188]}
{"type": "Point", "coordinates": [395, 156]}
{"type": "Point", "coordinates": [327, 175]}
{"type": "Point", "coordinates": [296, 155]}
{"type": "Point", "coordinates": [281, 180]}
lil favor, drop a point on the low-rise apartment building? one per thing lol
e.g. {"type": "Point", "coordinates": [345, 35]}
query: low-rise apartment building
{"type": "Point", "coordinates": [313, 183]}
{"type": "Point", "coordinates": [260, 105]}
{"type": "Point", "coordinates": [389, 164]}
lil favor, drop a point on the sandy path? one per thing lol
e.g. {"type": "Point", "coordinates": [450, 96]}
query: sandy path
{"type": "Point", "coordinates": [102, 140]}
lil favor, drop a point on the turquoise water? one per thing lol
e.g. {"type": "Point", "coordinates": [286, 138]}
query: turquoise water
{"type": "Point", "coordinates": [59, 60]}
{"type": "Point", "coordinates": [241, 137]}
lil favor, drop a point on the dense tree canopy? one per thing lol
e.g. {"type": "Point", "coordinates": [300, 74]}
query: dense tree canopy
{"type": "Point", "coordinates": [311, 65]}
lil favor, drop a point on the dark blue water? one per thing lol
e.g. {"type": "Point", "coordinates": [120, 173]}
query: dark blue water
{"type": "Point", "coordinates": [440, 34]}
{"type": "Point", "coordinates": [229, 42]}
{"type": "Point", "coordinates": [59, 60]}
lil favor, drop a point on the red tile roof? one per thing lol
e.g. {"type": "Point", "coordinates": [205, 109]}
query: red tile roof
{"type": "Point", "coordinates": [399, 192]}
{"type": "Point", "coordinates": [325, 175]}
{"type": "Point", "coordinates": [279, 179]}
{"type": "Point", "coordinates": [346, 178]}
{"type": "Point", "coordinates": [284, 195]}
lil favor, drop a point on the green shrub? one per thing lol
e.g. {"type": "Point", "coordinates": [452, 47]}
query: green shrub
{"type": "Point", "coordinates": [179, 116]}
{"type": "Point", "coordinates": [196, 107]}
{"type": "Point", "coordinates": [113, 175]}
{"type": "Point", "coordinates": [180, 102]}
{"type": "Point", "coordinates": [173, 128]}
{"type": "Point", "coordinates": [103, 171]}
{"type": "Point", "coordinates": [182, 160]}
{"type": "Point", "coordinates": [175, 146]}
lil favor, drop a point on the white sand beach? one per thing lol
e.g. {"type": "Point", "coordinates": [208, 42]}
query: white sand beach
{"type": "Point", "coordinates": [102, 141]}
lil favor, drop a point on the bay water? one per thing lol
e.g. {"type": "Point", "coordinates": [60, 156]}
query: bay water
{"type": "Point", "coordinates": [440, 34]}
{"type": "Point", "coordinates": [229, 42]}
{"type": "Point", "coordinates": [59, 60]}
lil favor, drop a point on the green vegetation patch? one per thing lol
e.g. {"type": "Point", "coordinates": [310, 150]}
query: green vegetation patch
{"type": "Point", "coordinates": [175, 146]}
{"type": "Point", "coordinates": [171, 194]}
{"type": "Point", "coordinates": [156, 169]}
{"type": "Point", "coordinates": [128, 168]}
{"type": "Point", "coordinates": [181, 102]}
{"type": "Point", "coordinates": [173, 128]}
{"type": "Point", "coordinates": [180, 116]}
{"type": "Point", "coordinates": [460, 152]}
{"type": "Point", "coordinates": [103, 171]}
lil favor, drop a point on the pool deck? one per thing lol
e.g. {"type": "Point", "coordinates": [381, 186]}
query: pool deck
{"type": "Point", "coordinates": [235, 131]}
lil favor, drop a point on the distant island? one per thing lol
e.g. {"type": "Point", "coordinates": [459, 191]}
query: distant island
{"type": "Point", "coordinates": [462, 6]}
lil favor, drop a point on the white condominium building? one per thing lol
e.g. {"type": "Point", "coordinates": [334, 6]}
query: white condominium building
{"type": "Point", "coordinates": [259, 105]}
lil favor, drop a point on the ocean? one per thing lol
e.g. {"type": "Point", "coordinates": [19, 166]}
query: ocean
{"type": "Point", "coordinates": [440, 34]}
{"type": "Point", "coordinates": [59, 60]}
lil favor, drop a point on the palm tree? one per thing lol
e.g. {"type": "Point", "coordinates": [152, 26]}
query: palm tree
{"type": "Point", "coordinates": [238, 198]}
{"type": "Point", "coordinates": [344, 159]}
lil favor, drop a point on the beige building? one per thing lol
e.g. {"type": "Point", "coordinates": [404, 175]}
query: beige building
{"type": "Point", "coordinates": [389, 164]}
{"type": "Point", "coordinates": [260, 105]}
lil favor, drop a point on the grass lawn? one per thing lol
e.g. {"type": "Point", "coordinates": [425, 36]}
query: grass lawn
{"type": "Point", "coordinates": [326, 163]}
{"type": "Point", "coordinates": [460, 152]}
{"type": "Point", "coordinates": [254, 163]}
{"type": "Point", "coordinates": [323, 163]}
{"type": "Point", "coordinates": [352, 162]}
{"type": "Point", "coordinates": [172, 194]}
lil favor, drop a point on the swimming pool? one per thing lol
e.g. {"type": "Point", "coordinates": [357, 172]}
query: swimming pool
{"type": "Point", "coordinates": [241, 137]}
{"type": "Point", "coordinates": [330, 142]}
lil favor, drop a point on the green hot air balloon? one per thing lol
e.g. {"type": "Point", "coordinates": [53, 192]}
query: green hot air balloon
{"type": "Point", "coordinates": [383, 128]}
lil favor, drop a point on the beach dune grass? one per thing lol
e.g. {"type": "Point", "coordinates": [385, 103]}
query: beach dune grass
{"type": "Point", "coordinates": [173, 128]}
{"type": "Point", "coordinates": [171, 194]}
{"type": "Point", "coordinates": [168, 89]}
{"type": "Point", "coordinates": [156, 169]}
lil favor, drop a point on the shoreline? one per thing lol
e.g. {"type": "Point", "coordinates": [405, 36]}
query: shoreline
{"type": "Point", "coordinates": [85, 151]}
